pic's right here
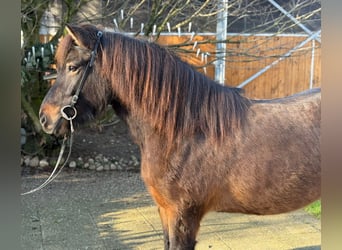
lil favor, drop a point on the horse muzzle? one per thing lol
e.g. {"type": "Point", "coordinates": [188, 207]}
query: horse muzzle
{"type": "Point", "coordinates": [51, 120]}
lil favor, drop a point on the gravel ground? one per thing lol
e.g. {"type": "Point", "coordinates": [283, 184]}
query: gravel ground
{"type": "Point", "coordinates": [98, 148]}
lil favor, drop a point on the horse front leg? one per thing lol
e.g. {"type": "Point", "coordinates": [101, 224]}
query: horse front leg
{"type": "Point", "coordinates": [164, 212]}
{"type": "Point", "coordinates": [183, 228]}
{"type": "Point", "coordinates": [165, 225]}
{"type": "Point", "coordinates": [180, 222]}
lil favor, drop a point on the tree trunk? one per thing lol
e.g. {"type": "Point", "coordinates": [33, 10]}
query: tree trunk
{"type": "Point", "coordinates": [31, 113]}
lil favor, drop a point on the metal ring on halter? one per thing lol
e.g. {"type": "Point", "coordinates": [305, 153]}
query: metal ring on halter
{"type": "Point", "coordinates": [68, 112]}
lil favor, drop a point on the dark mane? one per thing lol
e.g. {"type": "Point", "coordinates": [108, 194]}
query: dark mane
{"type": "Point", "coordinates": [176, 99]}
{"type": "Point", "coordinates": [152, 81]}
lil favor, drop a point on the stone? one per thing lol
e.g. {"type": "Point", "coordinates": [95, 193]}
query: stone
{"type": "Point", "coordinates": [43, 163]}
{"type": "Point", "coordinates": [99, 168]}
{"type": "Point", "coordinates": [34, 162]}
{"type": "Point", "coordinates": [27, 160]}
{"type": "Point", "coordinates": [99, 157]}
{"type": "Point", "coordinates": [72, 164]}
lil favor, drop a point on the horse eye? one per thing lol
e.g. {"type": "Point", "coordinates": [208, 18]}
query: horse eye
{"type": "Point", "coordinates": [72, 68]}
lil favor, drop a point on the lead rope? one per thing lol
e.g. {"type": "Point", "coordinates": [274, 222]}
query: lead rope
{"type": "Point", "coordinates": [52, 176]}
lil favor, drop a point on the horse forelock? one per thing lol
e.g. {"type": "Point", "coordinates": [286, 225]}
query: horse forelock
{"type": "Point", "coordinates": [177, 100]}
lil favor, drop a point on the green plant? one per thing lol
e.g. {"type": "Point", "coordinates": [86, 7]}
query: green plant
{"type": "Point", "coordinates": [314, 209]}
{"type": "Point", "coordinates": [36, 62]}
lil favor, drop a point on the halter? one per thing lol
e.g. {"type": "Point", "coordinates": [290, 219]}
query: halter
{"type": "Point", "coordinates": [69, 113]}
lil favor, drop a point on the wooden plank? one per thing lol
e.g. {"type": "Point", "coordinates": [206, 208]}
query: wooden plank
{"type": "Point", "coordinates": [247, 55]}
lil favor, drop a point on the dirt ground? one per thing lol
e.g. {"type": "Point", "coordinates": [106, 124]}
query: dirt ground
{"type": "Point", "coordinates": [107, 139]}
{"type": "Point", "coordinates": [111, 139]}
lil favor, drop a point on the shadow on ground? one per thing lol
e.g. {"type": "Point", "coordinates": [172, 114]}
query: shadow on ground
{"type": "Point", "coordinates": [111, 210]}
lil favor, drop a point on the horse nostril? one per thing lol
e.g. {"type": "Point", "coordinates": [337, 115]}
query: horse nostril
{"type": "Point", "coordinates": [43, 119]}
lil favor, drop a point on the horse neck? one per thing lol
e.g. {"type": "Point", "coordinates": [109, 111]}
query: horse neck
{"type": "Point", "coordinates": [157, 92]}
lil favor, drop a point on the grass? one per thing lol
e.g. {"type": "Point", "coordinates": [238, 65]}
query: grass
{"type": "Point", "coordinates": [314, 209]}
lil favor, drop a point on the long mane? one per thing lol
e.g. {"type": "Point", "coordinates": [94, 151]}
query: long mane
{"type": "Point", "coordinates": [175, 98]}
{"type": "Point", "coordinates": [153, 83]}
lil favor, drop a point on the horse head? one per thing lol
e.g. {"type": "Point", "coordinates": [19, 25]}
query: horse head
{"type": "Point", "coordinates": [77, 92]}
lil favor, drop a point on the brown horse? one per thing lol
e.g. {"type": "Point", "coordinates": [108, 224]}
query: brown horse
{"type": "Point", "coordinates": [204, 147]}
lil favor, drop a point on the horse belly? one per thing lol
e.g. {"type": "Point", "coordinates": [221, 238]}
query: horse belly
{"type": "Point", "coordinates": [276, 165]}
{"type": "Point", "coordinates": [263, 192]}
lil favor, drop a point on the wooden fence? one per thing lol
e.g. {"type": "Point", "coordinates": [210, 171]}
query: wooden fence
{"type": "Point", "coordinates": [248, 55]}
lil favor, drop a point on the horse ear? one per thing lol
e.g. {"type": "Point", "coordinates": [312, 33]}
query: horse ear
{"type": "Point", "coordinates": [82, 35]}
{"type": "Point", "coordinates": [76, 34]}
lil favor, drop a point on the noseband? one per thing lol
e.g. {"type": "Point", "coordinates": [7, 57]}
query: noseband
{"type": "Point", "coordinates": [68, 111]}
